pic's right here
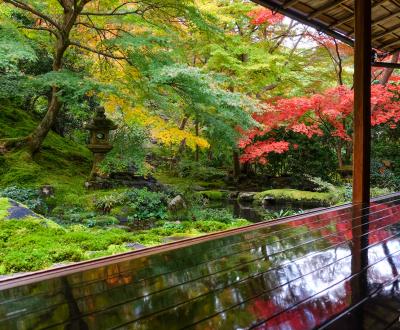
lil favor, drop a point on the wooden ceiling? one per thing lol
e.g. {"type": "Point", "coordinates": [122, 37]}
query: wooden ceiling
{"type": "Point", "coordinates": [336, 18]}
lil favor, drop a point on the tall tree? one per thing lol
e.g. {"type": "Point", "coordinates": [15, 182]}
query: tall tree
{"type": "Point", "coordinates": [69, 23]}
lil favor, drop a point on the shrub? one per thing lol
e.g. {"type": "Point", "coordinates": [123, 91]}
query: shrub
{"type": "Point", "coordinates": [197, 170]}
{"type": "Point", "coordinates": [146, 204]}
{"type": "Point", "coordinates": [30, 197]}
{"type": "Point", "coordinates": [207, 226]}
{"type": "Point", "coordinates": [321, 185]}
{"type": "Point", "coordinates": [107, 202]}
{"type": "Point", "coordinates": [101, 221]}
{"type": "Point", "coordinates": [383, 177]}
{"type": "Point", "coordinates": [220, 215]}
{"type": "Point", "coordinates": [282, 213]}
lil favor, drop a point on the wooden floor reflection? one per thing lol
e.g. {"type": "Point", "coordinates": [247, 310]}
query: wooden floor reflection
{"type": "Point", "coordinates": [336, 269]}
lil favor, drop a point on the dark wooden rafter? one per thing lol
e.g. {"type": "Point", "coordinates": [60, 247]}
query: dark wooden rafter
{"type": "Point", "coordinates": [386, 65]}
{"type": "Point", "coordinates": [386, 32]}
{"type": "Point", "coordinates": [336, 18]}
{"type": "Point", "coordinates": [325, 8]}
{"type": "Point", "coordinates": [351, 16]}
{"type": "Point", "coordinates": [275, 5]}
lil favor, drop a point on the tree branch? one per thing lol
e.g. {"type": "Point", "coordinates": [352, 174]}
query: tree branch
{"type": "Point", "coordinates": [111, 13]}
{"type": "Point", "coordinates": [34, 11]}
{"type": "Point", "coordinates": [39, 29]}
{"type": "Point", "coordinates": [99, 52]}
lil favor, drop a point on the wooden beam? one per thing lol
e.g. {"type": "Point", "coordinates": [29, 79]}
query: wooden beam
{"type": "Point", "coordinates": [275, 5]}
{"type": "Point", "coordinates": [386, 32]}
{"type": "Point", "coordinates": [350, 17]}
{"type": "Point", "coordinates": [386, 64]}
{"type": "Point", "coordinates": [362, 102]}
{"type": "Point", "coordinates": [325, 8]}
{"type": "Point", "coordinates": [289, 3]}
{"type": "Point", "coordinates": [384, 19]}
{"type": "Point", "coordinates": [391, 44]}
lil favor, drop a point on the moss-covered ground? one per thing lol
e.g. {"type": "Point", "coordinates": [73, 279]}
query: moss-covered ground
{"type": "Point", "coordinates": [62, 163]}
{"type": "Point", "coordinates": [31, 243]}
{"type": "Point", "coordinates": [79, 224]}
{"type": "Point", "coordinates": [79, 231]}
{"type": "Point", "coordinates": [293, 195]}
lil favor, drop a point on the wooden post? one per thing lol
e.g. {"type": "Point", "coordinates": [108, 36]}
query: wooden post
{"type": "Point", "coordinates": [362, 102]}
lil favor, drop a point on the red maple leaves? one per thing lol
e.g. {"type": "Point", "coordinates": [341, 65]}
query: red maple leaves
{"type": "Point", "coordinates": [262, 15]}
{"type": "Point", "coordinates": [329, 113]}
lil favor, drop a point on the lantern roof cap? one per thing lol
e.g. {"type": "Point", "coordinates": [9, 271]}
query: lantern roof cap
{"type": "Point", "coordinates": [100, 121]}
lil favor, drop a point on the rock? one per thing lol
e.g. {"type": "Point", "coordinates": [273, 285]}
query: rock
{"type": "Point", "coordinates": [246, 196]}
{"type": "Point", "coordinates": [198, 188]}
{"type": "Point", "coordinates": [233, 195]}
{"type": "Point", "coordinates": [177, 204]}
{"type": "Point", "coordinates": [47, 191]}
{"type": "Point", "coordinates": [268, 200]}
{"type": "Point", "coordinates": [124, 179]}
{"type": "Point", "coordinates": [122, 227]}
{"type": "Point", "coordinates": [135, 246]}
{"type": "Point", "coordinates": [19, 211]}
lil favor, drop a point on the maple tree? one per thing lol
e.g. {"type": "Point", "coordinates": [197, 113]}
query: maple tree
{"type": "Point", "coordinates": [327, 114]}
{"type": "Point", "coordinates": [261, 15]}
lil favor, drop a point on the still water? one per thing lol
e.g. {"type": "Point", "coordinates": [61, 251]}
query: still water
{"type": "Point", "coordinates": [257, 213]}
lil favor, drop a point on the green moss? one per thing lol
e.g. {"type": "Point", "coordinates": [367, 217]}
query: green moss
{"type": "Point", "coordinates": [32, 244]}
{"type": "Point", "coordinates": [293, 195]}
{"type": "Point", "coordinates": [214, 195]}
{"type": "Point", "coordinates": [168, 179]}
{"type": "Point", "coordinates": [4, 206]}
{"type": "Point", "coordinates": [61, 163]}
{"type": "Point", "coordinates": [14, 122]}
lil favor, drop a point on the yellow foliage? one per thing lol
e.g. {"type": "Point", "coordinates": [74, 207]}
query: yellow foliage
{"type": "Point", "coordinates": [163, 131]}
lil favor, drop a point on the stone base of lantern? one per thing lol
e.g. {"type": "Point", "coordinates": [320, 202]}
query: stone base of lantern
{"type": "Point", "coordinates": [124, 179]}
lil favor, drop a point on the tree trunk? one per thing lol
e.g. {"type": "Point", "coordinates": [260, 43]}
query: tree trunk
{"type": "Point", "coordinates": [182, 145]}
{"type": "Point", "coordinates": [197, 152]}
{"type": "Point", "coordinates": [388, 71]}
{"type": "Point", "coordinates": [236, 165]}
{"type": "Point", "coordinates": [339, 156]}
{"type": "Point", "coordinates": [35, 140]}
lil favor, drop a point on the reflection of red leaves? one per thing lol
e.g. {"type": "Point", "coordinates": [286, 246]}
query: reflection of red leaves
{"type": "Point", "coordinates": [262, 15]}
{"type": "Point", "coordinates": [264, 308]}
{"type": "Point", "coordinates": [305, 316]}
{"type": "Point", "coordinates": [315, 312]}
{"type": "Point", "coordinates": [335, 227]}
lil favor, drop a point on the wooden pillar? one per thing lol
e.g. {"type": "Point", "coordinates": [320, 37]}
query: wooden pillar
{"type": "Point", "coordinates": [362, 102]}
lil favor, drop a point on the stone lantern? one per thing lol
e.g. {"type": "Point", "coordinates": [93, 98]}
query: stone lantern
{"type": "Point", "coordinates": [99, 143]}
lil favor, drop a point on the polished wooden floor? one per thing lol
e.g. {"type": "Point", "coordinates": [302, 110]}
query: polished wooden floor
{"type": "Point", "coordinates": [334, 269]}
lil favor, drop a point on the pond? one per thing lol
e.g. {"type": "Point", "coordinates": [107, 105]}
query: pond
{"type": "Point", "coordinates": [257, 213]}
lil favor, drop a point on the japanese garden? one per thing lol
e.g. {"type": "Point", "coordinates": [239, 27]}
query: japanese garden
{"type": "Point", "coordinates": [130, 124]}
